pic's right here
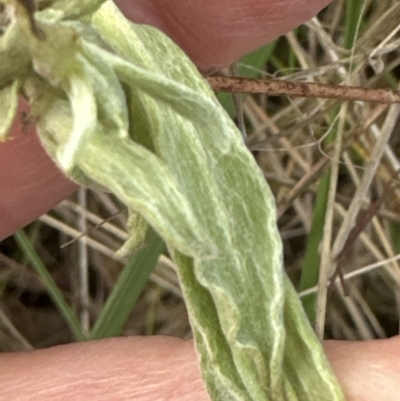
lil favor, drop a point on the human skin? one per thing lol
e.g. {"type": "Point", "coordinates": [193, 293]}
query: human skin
{"type": "Point", "coordinates": [214, 33]}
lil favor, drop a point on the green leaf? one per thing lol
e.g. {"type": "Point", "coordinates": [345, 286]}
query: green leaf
{"type": "Point", "coordinates": [312, 258]}
{"type": "Point", "coordinates": [8, 108]}
{"type": "Point", "coordinates": [14, 54]}
{"type": "Point", "coordinates": [126, 291]}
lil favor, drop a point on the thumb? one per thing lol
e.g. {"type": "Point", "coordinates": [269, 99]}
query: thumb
{"type": "Point", "coordinates": [118, 369]}
{"type": "Point", "coordinates": [367, 370]}
{"type": "Point", "coordinates": [164, 368]}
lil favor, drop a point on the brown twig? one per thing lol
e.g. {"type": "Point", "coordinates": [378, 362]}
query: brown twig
{"type": "Point", "coordinates": [302, 89]}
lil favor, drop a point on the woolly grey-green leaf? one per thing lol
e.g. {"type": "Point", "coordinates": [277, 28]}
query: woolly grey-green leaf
{"type": "Point", "coordinates": [120, 106]}
{"type": "Point", "coordinates": [13, 51]}
{"type": "Point", "coordinates": [8, 107]}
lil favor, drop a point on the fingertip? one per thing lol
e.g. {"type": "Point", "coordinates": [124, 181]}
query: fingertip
{"type": "Point", "coordinates": [30, 182]}
{"type": "Point", "coordinates": [367, 370]}
{"type": "Point", "coordinates": [215, 33]}
{"type": "Point", "coordinates": [132, 368]}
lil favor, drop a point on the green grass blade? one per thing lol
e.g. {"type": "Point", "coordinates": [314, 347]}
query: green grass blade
{"type": "Point", "coordinates": [250, 67]}
{"type": "Point", "coordinates": [54, 292]}
{"type": "Point", "coordinates": [354, 10]}
{"type": "Point", "coordinates": [310, 268]}
{"type": "Point", "coordinates": [309, 275]}
{"type": "Point", "coordinates": [127, 289]}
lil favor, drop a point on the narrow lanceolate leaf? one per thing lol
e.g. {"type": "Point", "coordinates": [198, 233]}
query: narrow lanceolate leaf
{"type": "Point", "coordinates": [8, 107]}
{"type": "Point", "coordinates": [14, 57]}
{"type": "Point", "coordinates": [185, 171]}
{"type": "Point", "coordinates": [76, 8]}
